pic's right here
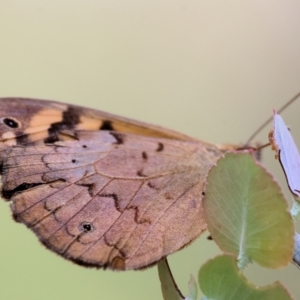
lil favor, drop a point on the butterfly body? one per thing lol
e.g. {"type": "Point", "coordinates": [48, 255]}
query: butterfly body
{"type": "Point", "coordinates": [98, 189]}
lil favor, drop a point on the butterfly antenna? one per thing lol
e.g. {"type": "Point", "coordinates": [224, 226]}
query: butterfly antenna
{"type": "Point", "coordinates": [260, 128]}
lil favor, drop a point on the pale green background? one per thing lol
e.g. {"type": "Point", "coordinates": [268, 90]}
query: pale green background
{"type": "Point", "coordinates": [211, 69]}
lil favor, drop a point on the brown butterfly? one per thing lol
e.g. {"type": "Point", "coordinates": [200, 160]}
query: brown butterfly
{"type": "Point", "coordinates": [99, 189]}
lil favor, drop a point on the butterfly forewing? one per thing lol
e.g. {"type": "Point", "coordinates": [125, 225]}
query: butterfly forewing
{"type": "Point", "coordinates": [97, 194]}
{"type": "Point", "coordinates": [24, 121]}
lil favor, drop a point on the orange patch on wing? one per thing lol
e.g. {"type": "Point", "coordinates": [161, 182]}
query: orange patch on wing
{"type": "Point", "coordinates": [46, 116]}
{"type": "Point", "coordinates": [88, 124]}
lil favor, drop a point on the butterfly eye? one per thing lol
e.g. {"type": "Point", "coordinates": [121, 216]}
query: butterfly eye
{"type": "Point", "coordinates": [10, 122]}
{"type": "Point", "coordinates": [86, 227]}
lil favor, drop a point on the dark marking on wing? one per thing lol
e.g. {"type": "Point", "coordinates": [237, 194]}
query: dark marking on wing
{"type": "Point", "coordinates": [114, 197]}
{"type": "Point", "coordinates": [8, 194]}
{"type": "Point", "coordinates": [140, 173]}
{"type": "Point", "coordinates": [151, 186]}
{"type": "Point", "coordinates": [22, 139]}
{"type": "Point", "coordinates": [119, 137]}
{"type": "Point", "coordinates": [86, 227]}
{"type": "Point", "coordinates": [137, 217]}
{"type": "Point", "coordinates": [90, 187]}
{"type": "Point", "coordinates": [144, 155]}
{"type": "Point", "coordinates": [160, 147]}
{"type": "Point", "coordinates": [10, 122]}
{"type": "Point", "coordinates": [71, 117]}
{"type": "Point", "coordinates": [106, 125]}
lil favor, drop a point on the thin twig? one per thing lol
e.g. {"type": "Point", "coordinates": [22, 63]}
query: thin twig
{"type": "Point", "coordinates": [271, 118]}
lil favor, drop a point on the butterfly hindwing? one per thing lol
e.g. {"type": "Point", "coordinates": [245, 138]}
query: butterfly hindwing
{"type": "Point", "coordinates": [109, 199]}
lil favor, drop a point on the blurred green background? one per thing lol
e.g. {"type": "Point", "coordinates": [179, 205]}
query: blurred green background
{"type": "Point", "coordinates": [211, 69]}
